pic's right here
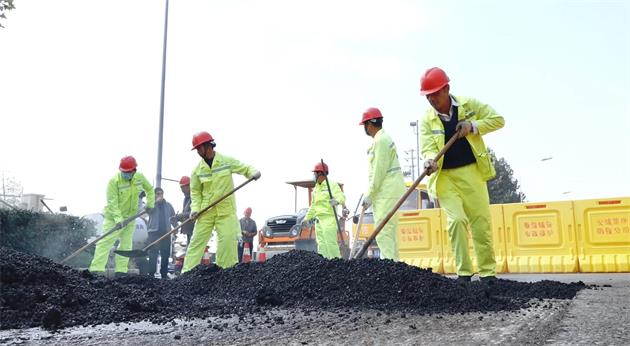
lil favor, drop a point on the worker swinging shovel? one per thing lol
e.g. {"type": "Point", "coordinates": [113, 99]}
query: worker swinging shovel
{"type": "Point", "coordinates": [118, 227]}
{"type": "Point", "coordinates": [143, 252]}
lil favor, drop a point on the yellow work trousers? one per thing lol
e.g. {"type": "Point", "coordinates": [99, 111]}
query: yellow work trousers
{"type": "Point", "coordinates": [387, 239]}
{"type": "Point", "coordinates": [103, 246]}
{"type": "Point", "coordinates": [463, 195]}
{"type": "Point", "coordinates": [227, 228]}
{"type": "Point", "coordinates": [326, 233]}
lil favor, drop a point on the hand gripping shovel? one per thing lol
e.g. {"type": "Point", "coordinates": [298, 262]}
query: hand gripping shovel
{"type": "Point", "coordinates": [124, 223]}
{"type": "Point", "coordinates": [334, 208]}
{"type": "Point", "coordinates": [144, 253]}
{"type": "Point", "coordinates": [403, 198]}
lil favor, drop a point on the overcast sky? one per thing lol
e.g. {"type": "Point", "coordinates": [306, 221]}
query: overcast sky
{"type": "Point", "coordinates": [281, 84]}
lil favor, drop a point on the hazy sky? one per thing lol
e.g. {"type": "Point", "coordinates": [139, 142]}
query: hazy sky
{"type": "Point", "coordinates": [281, 84]}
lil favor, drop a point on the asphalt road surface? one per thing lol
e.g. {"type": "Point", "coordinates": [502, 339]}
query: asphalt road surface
{"type": "Point", "coordinates": [598, 316]}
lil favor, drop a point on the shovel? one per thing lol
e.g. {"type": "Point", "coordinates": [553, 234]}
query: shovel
{"type": "Point", "coordinates": [124, 223]}
{"type": "Point", "coordinates": [334, 208]}
{"type": "Point", "coordinates": [144, 253]}
{"type": "Point", "coordinates": [403, 198]}
{"type": "Point", "coordinates": [358, 230]}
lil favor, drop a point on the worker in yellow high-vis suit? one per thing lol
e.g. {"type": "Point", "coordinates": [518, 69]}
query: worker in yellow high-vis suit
{"type": "Point", "coordinates": [209, 181]}
{"type": "Point", "coordinates": [321, 212]}
{"type": "Point", "coordinates": [386, 182]}
{"type": "Point", "coordinates": [122, 202]}
{"type": "Point", "coordinates": [460, 175]}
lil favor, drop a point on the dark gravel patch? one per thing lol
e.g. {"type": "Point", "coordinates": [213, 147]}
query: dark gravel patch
{"type": "Point", "coordinates": [36, 292]}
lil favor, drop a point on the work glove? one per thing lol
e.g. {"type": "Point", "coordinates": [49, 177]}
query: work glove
{"type": "Point", "coordinates": [306, 224]}
{"type": "Point", "coordinates": [430, 166]}
{"type": "Point", "coordinates": [256, 175]}
{"type": "Point", "coordinates": [120, 225]}
{"type": "Point", "coordinates": [345, 212]}
{"type": "Point", "coordinates": [193, 215]}
{"type": "Point", "coordinates": [367, 202]}
{"type": "Point", "coordinates": [334, 202]}
{"type": "Point", "coordinates": [464, 128]}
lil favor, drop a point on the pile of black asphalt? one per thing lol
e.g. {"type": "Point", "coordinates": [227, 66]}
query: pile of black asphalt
{"type": "Point", "coordinates": [37, 292]}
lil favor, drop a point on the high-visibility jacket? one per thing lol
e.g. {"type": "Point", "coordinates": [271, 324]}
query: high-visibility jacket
{"type": "Point", "coordinates": [320, 200]}
{"type": "Point", "coordinates": [207, 184]}
{"type": "Point", "coordinates": [123, 196]}
{"type": "Point", "coordinates": [385, 177]}
{"type": "Point", "coordinates": [432, 138]}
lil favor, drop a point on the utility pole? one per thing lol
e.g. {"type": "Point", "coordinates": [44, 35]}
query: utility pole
{"type": "Point", "coordinates": [414, 125]}
{"type": "Point", "coordinates": [412, 159]}
{"type": "Point", "coordinates": [158, 178]}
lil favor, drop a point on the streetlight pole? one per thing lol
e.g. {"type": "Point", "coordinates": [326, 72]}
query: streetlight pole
{"type": "Point", "coordinates": [158, 178]}
{"type": "Point", "coordinates": [416, 131]}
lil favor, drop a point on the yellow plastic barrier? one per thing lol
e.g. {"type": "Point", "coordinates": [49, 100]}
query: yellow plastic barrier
{"type": "Point", "coordinates": [498, 234]}
{"type": "Point", "coordinates": [540, 237]}
{"type": "Point", "coordinates": [419, 238]}
{"type": "Point", "coordinates": [603, 234]}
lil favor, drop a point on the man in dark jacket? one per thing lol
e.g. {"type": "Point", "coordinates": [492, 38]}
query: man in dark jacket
{"type": "Point", "coordinates": [187, 229]}
{"type": "Point", "coordinates": [161, 220]}
{"type": "Point", "coordinates": [248, 232]}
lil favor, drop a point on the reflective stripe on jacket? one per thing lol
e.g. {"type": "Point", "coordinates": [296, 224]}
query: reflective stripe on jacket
{"type": "Point", "coordinates": [207, 184]}
{"type": "Point", "coordinates": [320, 200]}
{"type": "Point", "coordinates": [432, 138]}
{"type": "Point", "coordinates": [385, 177]}
{"type": "Point", "coordinates": [123, 196]}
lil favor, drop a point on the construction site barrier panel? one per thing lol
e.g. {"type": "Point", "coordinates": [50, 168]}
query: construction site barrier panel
{"type": "Point", "coordinates": [540, 237]}
{"type": "Point", "coordinates": [498, 239]}
{"type": "Point", "coordinates": [603, 234]}
{"type": "Point", "coordinates": [419, 238]}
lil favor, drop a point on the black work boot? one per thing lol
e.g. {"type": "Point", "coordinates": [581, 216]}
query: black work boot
{"type": "Point", "coordinates": [463, 279]}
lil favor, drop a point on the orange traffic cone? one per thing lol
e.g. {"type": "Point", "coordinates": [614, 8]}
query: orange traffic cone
{"type": "Point", "coordinates": [262, 256]}
{"type": "Point", "coordinates": [247, 254]}
{"type": "Point", "coordinates": [205, 259]}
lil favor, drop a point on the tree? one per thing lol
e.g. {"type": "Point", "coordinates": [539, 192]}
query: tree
{"type": "Point", "coordinates": [10, 191]}
{"type": "Point", "coordinates": [504, 188]}
{"type": "Point", "coordinates": [5, 5]}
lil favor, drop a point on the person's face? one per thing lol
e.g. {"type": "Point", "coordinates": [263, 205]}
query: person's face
{"type": "Point", "coordinates": [185, 189]}
{"type": "Point", "coordinates": [440, 100]}
{"type": "Point", "coordinates": [320, 177]}
{"type": "Point", "coordinates": [248, 213]}
{"type": "Point", "coordinates": [159, 196]}
{"type": "Point", "coordinates": [205, 151]}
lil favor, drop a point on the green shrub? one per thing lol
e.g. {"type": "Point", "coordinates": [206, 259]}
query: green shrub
{"type": "Point", "coordinates": [55, 236]}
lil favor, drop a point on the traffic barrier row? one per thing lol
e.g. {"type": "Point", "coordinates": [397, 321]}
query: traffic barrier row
{"type": "Point", "coordinates": [553, 237]}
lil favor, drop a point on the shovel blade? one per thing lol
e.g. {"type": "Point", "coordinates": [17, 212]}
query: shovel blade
{"type": "Point", "coordinates": [131, 253]}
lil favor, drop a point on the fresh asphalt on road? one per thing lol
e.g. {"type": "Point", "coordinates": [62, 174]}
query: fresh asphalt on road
{"type": "Point", "coordinates": [597, 316]}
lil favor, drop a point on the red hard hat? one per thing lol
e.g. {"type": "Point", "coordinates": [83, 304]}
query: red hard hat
{"type": "Point", "coordinates": [433, 80]}
{"type": "Point", "coordinates": [184, 181]}
{"type": "Point", "coordinates": [369, 114]}
{"type": "Point", "coordinates": [200, 138]}
{"type": "Point", "coordinates": [321, 167]}
{"type": "Point", "coordinates": [128, 164]}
